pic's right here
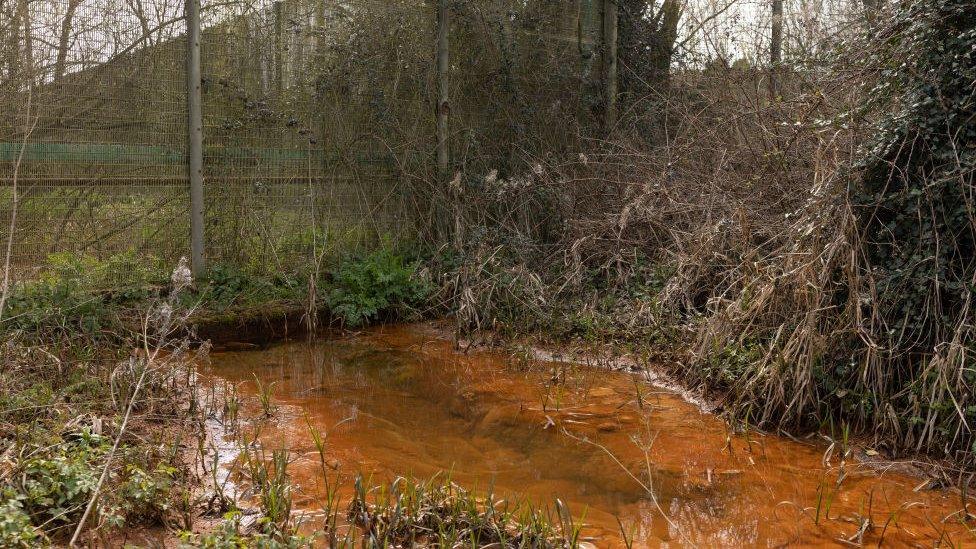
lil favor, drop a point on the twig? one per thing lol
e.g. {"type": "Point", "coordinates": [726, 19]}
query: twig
{"type": "Point", "coordinates": [642, 484]}
{"type": "Point", "coordinates": [150, 359]}
{"type": "Point", "coordinates": [15, 201]}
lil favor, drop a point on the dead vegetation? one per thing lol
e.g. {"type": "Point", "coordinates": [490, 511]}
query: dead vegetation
{"type": "Point", "coordinates": [795, 236]}
{"type": "Point", "coordinates": [800, 238]}
{"type": "Point", "coordinates": [83, 454]}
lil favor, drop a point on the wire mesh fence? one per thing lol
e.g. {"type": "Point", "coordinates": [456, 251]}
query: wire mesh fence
{"type": "Point", "coordinates": [294, 155]}
{"type": "Point", "coordinates": [92, 128]}
{"type": "Point", "coordinates": [318, 115]}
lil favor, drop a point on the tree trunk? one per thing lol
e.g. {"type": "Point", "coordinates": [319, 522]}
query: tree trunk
{"type": "Point", "coordinates": [776, 44]}
{"type": "Point", "coordinates": [15, 42]}
{"type": "Point", "coordinates": [645, 45]}
{"type": "Point", "coordinates": [279, 47]}
{"type": "Point", "coordinates": [64, 41]}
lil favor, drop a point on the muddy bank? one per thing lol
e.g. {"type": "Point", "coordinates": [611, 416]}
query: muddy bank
{"type": "Point", "coordinates": [252, 326]}
{"type": "Point", "coordinates": [401, 401]}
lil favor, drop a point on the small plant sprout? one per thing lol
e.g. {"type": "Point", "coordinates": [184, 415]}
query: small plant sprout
{"type": "Point", "coordinates": [265, 393]}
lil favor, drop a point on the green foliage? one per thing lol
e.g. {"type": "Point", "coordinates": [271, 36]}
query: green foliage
{"type": "Point", "coordinates": [146, 494]}
{"type": "Point", "coordinates": [16, 530]}
{"type": "Point", "coordinates": [60, 300]}
{"type": "Point", "coordinates": [230, 535]}
{"type": "Point", "coordinates": [227, 285]}
{"type": "Point", "coordinates": [380, 285]}
{"type": "Point", "coordinates": [730, 365]}
{"type": "Point", "coordinates": [120, 274]}
{"type": "Point", "coordinates": [913, 200]}
{"type": "Point", "coordinates": [439, 513]}
{"type": "Point", "coordinates": [76, 293]}
{"type": "Point", "coordinates": [53, 486]}
{"type": "Point", "coordinates": [916, 217]}
{"type": "Point", "coordinates": [838, 394]}
{"type": "Point", "coordinates": [50, 488]}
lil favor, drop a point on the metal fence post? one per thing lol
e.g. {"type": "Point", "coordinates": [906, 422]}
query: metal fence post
{"type": "Point", "coordinates": [194, 129]}
{"type": "Point", "coordinates": [776, 40]}
{"type": "Point", "coordinates": [279, 46]}
{"type": "Point", "coordinates": [443, 90]}
{"type": "Point", "coordinates": [610, 62]}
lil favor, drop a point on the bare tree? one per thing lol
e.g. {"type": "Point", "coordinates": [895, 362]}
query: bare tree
{"type": "Point", "coordinates": [648, 34]}
{"type": "Point", "coordinates": [64, 40]}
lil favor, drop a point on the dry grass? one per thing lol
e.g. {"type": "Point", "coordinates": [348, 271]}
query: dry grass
{"type": "Point", "coordinates": [745, 201]}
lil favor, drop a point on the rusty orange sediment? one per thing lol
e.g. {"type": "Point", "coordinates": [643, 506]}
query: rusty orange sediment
{"type": "Point", "coordinates": [401, 401]}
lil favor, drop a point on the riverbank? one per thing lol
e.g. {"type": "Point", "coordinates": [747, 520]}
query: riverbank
{"type": "Point", "coordinates": [97, 406]}
{"type": "Point", "coordinates": [90, 359]}
{"type": "Point", "coordinates": [403, 400]}
{"type": "Point", "coordinates": [653, 369]}
{"type": "Point", "coordinates": [103, 422]}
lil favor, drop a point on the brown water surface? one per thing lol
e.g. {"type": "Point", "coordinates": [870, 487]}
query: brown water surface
{"type": "Point", "coordinates": [401, 401]}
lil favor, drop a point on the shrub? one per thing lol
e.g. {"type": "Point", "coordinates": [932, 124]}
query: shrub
{"type": "Point", "coordinates": [378, 286]}
{"type": "Point", "coordinates": [917, 221]}
{"type": "Point", "coordinates": [54, 486]}
{"type": "Point", "coordinates": [861, 313]}
{"type": "Point", "coordinates": [146, 494]}
{"type": "Point", "coordinates": [227, 285]}
{"type": "Point", "coordinates": [74, 293]}
{"type": "Point", "coordinates": [913, 201]}
{"type": "Point", "coordinates": [50, 489]}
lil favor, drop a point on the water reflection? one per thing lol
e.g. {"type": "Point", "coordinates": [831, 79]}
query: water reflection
{"type": "Point", "coordinates": [401, 401]}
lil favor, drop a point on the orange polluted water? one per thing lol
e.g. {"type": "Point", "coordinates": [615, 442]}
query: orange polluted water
{"type": "Point", "coordinates": [401, 401]}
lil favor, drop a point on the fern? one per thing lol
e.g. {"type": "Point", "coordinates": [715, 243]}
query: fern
{"type": "Point", "coordinates": [381, 285]}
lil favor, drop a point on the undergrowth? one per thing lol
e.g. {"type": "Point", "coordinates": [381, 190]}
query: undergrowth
{"type": "Point", "coordinates": [861, 314]}
{"type": "Point", "coordinates": [79, 295]}
{"type": "Point", "coordinates": [486, 287]}
{"type": "Point", "coordinates": [71, 374]}
{"type": "Point", "coordinates": [78, 338]}
{"type": "Point", "coordinates": [381, 285]}
{"type": "Point", "coordinates": [811, 264]}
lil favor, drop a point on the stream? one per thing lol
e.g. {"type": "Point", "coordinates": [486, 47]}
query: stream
{"type": "Point", "coordinates": [618, 450]}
